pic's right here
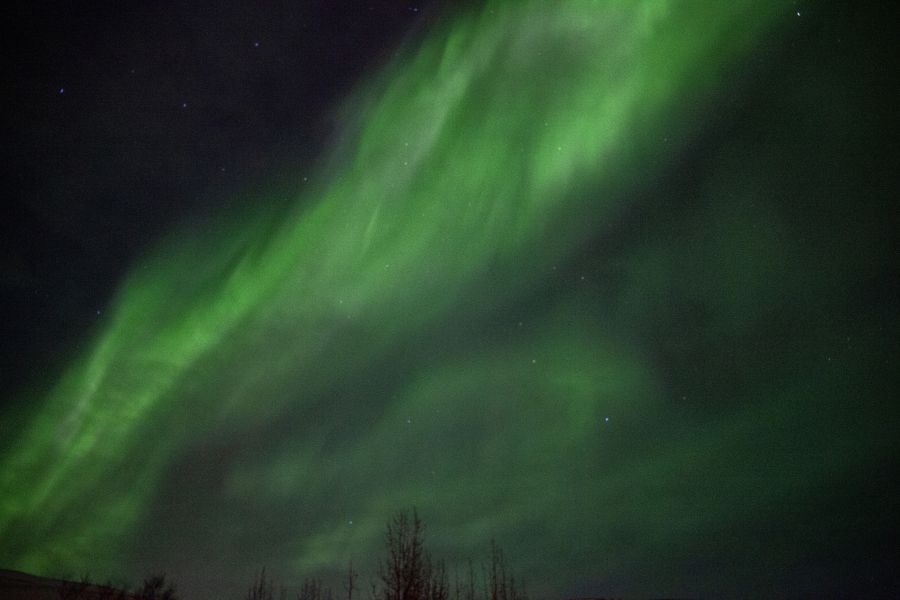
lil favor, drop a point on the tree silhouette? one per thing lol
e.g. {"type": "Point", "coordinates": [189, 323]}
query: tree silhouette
{"type": "Point", "coordinates": [350, 585]}
{"type": "Point", "coordinates": [500, 585]}
{"type": "Point", "coordinates": [262, 588]}
{"type": "Point", "coordinates": [156, 587]}
{"type": "Point", "coordinates": [409, 572]}
{"type": "Point", "coordinates": [436, 580]}
{"type": "Point", "coordinates": [402, 573]}
{"type": "Point", "coordinates": [312, 589]}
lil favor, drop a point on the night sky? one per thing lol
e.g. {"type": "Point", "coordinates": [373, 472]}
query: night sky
{"type": "Point", "coordinates": [614, 283]}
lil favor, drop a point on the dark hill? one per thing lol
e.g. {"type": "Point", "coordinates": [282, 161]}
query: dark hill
{"type": "Point", "coordinates": [15, 585]}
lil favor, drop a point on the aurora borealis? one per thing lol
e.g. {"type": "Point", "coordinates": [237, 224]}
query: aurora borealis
{"type": "Point", "coordinates": [610, 282]}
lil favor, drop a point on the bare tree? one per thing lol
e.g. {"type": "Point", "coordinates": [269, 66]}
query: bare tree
{"type": "Point", "coordinates": [156, 587]}
{"type": "Point", "coordinates": [499, 584]}
{"type": "Point", "coordinates": [262, 588]}
{"type": "Point", "coordinates": [311, 590]}
{"type": "Point", "coordinates": [402, 573]}
{"type": "Point", "coordinates": [497, 573]}
{"type": "Point", "coordinates": [470, 589]}
{"type": "Point", "coordinates": [436, 581]}
{"type": "Point", "coordinates": [408, 573]}
{"type": "Point", "coordinates": [491, 582]}
{"type": "Point", "coordinates": [350, 585]}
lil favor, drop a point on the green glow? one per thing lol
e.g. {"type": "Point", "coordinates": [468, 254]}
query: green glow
{"type": "Point", "coordinates": [369, 330]}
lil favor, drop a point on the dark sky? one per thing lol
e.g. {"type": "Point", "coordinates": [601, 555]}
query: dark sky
{"type": "Point", "coordinates": [124, 118]}
{"type": "Point", "coordinates": [615, 285]}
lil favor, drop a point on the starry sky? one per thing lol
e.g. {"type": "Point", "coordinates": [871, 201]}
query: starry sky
{"type": "Point", "coordinates": [614, 283]}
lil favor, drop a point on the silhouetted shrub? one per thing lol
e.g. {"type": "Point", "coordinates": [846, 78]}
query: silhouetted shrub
{"type": "Point", "coordinates": [156, 587]}
{"type": "Point", "coordinates": [262, 588]}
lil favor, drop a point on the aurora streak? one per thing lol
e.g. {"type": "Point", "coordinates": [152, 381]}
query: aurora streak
{"type": "Point", "coordinates": [420, 327]}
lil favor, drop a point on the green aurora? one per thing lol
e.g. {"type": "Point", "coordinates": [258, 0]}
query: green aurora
{"type": "Point", "coordinates": [517, 297]}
